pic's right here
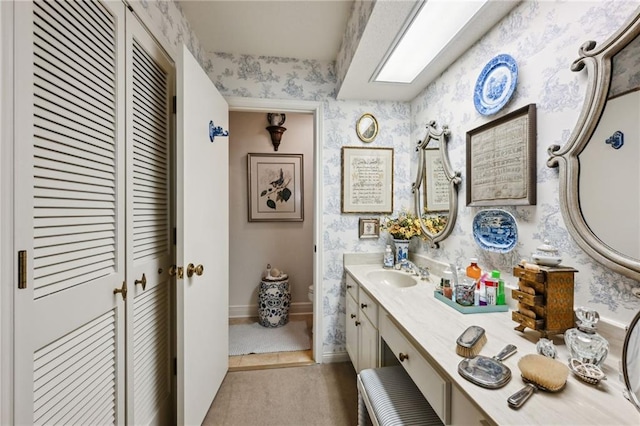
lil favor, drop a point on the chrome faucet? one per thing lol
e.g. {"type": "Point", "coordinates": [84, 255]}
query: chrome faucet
{"type": "Point", "coordinates": [409, 266]}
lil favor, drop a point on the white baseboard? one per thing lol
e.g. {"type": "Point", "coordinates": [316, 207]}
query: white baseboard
{"type": "Point", "coordinates": [329, 357]}
{"type": "Point", "coordinates": [244, 311]}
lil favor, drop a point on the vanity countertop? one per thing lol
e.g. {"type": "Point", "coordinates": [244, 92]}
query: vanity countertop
{"type": "Point", "coordinates": [434, 328]}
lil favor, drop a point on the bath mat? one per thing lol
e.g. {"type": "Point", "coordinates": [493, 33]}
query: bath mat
{"type": "Point", "coordinates": [253, 338]}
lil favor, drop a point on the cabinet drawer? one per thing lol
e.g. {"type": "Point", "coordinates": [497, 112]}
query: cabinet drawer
{"type": "Point", "coordinates": [352, 287]}
{"type": "Point", "coordinates": [527, 299]}
{"type": "Point", "coordinates": [368, 307]}
{"type": "Point", "coordinates": [526, 321]}
{"type": "Point", "coordinates": [435, 389]}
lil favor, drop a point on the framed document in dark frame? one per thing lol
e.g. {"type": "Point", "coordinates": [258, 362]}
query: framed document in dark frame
{"type": "Point", "coordinates": [501, 160]}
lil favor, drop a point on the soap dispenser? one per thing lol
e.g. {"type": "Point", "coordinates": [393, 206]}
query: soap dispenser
{"type": "Point", "coordinates": [388, 257]}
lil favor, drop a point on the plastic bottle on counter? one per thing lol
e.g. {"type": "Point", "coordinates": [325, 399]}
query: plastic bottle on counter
{"type": "Point", "coordinates": [388, 257]}
{"type": "Point", "coordinates": [473, 270]}
{"type": "Point", "coordinates": [500, 295]}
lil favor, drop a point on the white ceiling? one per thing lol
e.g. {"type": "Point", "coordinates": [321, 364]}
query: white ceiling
{"type": "Point", "coordinates": [303, 29]}
{"type": "Point", "coordinates": [313, 29]}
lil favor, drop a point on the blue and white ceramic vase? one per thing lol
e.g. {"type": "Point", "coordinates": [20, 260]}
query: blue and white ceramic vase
{"type": "Point", "coordinates": [402, 250]}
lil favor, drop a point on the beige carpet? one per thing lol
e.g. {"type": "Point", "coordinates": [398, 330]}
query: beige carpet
{"type": "Point", "coordinates": [321, 394]}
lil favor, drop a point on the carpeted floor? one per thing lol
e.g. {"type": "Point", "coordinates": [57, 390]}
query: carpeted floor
{"type": "Point", "coordinates": [321, 394]}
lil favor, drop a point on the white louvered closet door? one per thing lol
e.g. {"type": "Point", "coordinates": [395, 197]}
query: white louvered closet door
{"type": "Point", "coordinates": [69, 200]}
{"type": "Point", "coordinates": [150, 83]}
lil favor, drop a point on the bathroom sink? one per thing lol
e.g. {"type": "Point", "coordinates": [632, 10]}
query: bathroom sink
{"type": "Point", "coordinates": [392, 278]}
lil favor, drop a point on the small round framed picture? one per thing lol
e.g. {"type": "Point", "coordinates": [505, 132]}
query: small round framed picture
{"type": "Point", "coordinates": [367, 127]}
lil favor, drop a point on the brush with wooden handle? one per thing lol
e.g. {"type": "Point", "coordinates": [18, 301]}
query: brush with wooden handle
{"type": "Point", "coordinates": [538, 372]}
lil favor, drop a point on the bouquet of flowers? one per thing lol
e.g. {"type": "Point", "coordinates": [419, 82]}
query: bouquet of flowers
{"type": "Point", "coordinates": [435, 224]}
{"type": "Point", "coordinates": [403, 227]}
{"type": "Point", "coordinates": [407, 225]}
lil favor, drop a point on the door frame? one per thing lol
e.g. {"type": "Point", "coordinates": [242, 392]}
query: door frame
{"type": "Point", "coordinates": [7, 257]}
{"type": "Point", "coordinates": [315, 108]}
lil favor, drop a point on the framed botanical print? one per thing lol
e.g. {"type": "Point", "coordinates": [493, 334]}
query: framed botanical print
{"type": "Point", "coordinates": [275, 187]}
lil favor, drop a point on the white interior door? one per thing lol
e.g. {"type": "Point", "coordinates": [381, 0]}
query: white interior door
{"type": "Point", "coordinates": [150, 85]}
{"type": "Point", "coordinates": [202, 217]}
{"type": "Point", "coordinates": [69, 212]}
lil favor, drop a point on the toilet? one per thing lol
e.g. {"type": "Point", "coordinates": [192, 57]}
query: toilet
{"type": "Point", "coordinates": [310, 293]}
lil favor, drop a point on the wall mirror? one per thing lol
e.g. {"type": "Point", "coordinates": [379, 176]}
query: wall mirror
{"type": "Point", "coordinates": [598, 170]}
{"type": "Point", "coordinates": [367, 127]}
{"type": "Point", "coordinates": [435, 190]}
{"type": "Point", "coordinates": [631, 362]}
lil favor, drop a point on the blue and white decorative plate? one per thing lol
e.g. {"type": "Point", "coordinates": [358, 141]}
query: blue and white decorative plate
{"type": "Point", "coordinates": [496, 83]}
{"type": "Point", "coordinates": [495, 230]}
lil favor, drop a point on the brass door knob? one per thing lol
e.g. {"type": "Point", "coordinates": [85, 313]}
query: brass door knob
{"type": "Point", "coordinates": [191, 269]}
{"type": "Point", "coordinates": [176, 270]}
{"type": "Point", "coordinates": [142, 281]}
{"type": "Point", "coordinates": [122, 290]}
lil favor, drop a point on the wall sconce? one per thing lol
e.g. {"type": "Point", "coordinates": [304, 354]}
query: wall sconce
{"type": "Point", "coordinates": [275, 129]}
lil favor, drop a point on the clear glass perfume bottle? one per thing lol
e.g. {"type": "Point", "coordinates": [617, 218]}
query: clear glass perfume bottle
{"type": "Point", "coordinates": [583, 342]}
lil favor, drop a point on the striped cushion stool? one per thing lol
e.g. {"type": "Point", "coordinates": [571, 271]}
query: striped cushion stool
{"type": "Point", "coordinates": [390, 398]}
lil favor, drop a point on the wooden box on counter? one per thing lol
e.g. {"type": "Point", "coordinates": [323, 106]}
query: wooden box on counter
{"type": "Point", "coordinates": [545, 299]}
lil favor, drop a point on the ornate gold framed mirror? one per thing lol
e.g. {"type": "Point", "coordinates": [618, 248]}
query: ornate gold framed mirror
{"type": "Point", "coordinates": [597, 169]}
{"type": "Point", "coordinates": [435, 190]}
{"type": "Point", "coordinates": [367, 127]}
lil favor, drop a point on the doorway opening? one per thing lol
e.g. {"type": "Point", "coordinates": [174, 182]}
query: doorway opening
{"type": "Point", "coordinates": [293, 246]}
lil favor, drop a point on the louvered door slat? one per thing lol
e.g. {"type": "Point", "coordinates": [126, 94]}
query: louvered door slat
{"type": "Point", "coordinates": [55, 120]}
{"type": "Point", "coordinates": [75, 369]}
{"type": "Point", "coordinates": [55, 23]}
{"type": "Point", "coordinates": [66, 92]}
{"type": "Point", "coordinates": [85, 118]}
{"type": "Point", "coordinates": [50, 284]}
{"type": "Point", "coordinates": [151, 350]}
{"type": "Point", "coordinates": [91, 24]}
{"type": "Point", "coordinates": [76, 247]}
{"type": "Point", "coordinates": [95, 229]}
{"type": "Point", "coordinates": [74, 106]}
{"type": "Point", "coordinates": [43, 175]}
{"type": "Point", "coordinates": [145, 127]}
{"type": "Point", "coordinates": [60, 356]}
{"type": "Point", "coordinates": [151, 151]}
{"type": "Point", "coordinates": [74, 187]}
{"type": "Point", "coordinates": [52, 67]}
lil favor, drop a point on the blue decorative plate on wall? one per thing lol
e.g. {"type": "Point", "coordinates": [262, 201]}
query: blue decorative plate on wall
{"type": "Point", "coordinates": [496, 83]}
{"type": "Point", "coordinates": [495, 230]}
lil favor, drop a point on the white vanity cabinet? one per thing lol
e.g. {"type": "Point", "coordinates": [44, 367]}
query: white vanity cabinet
{"type": "Point", "coordinates": [361, 327]}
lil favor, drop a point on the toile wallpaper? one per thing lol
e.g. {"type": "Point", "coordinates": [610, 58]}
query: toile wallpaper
{"type": "Point", "coordinates": [542, 36]}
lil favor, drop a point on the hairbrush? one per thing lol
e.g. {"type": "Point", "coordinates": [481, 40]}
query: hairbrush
{"type": "Point", "coordinates": [538, 372]}
{"type": "Point", "coordinates": [471, 341]}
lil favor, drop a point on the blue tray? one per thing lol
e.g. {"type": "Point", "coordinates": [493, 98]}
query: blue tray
{"type": "Point", "coordinates": [470, 309]}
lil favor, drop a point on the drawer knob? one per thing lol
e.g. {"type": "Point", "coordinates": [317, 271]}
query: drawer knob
{"type": "Point", "coordinates": [349, 286]}
{"type": "Point", "coordinates": [363, 305]}
{"type": "Point", "coordinates": [357, 323]}
{"type": "Point", "coordinates": [353, 316]}
{"type": "Point", "coordinates": [402, 356]}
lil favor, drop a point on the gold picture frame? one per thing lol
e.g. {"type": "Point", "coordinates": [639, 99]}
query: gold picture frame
{"type": "Point", "coordinates": [367, 127]}
{"type": "Point", "coordinates": [367, 180]}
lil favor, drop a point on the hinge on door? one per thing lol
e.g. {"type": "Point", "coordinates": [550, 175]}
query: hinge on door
{"type": "Point", "coordinates": [22, 269]}
{"type": "Point", "coordinates": [315, 248]}
{"type": "Point", "coordinates": [175, 366]}
{"type": "Point", "coordinates": [175, 105]}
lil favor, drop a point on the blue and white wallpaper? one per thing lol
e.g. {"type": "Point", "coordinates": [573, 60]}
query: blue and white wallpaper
{"type": "Point", "coordinates": [543, 37]}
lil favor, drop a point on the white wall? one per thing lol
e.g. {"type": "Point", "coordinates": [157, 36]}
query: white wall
{"type": "Point", "coordinates": [285, 245]}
